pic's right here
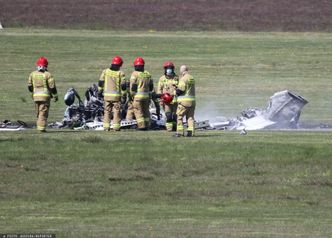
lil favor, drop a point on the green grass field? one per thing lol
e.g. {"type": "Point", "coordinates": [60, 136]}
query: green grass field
{"type": "Point", "coordinates": [148, 184]}
{"type": "Point", "coordinates": [219, 184]}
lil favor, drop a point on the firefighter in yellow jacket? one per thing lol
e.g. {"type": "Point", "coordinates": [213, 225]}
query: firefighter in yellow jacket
{"type": "Point", "coordinates": [141, 86]}
{"type": "Point", "coordinates": [112, 84]}
{"type": "Point", "coordinates": [186, 102]}
{"type": "Point", "coordinates": [42, 86]}
{"type": "Point", "coordinates": [167, 84]}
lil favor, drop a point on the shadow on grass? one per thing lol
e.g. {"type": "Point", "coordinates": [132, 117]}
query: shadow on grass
{"type": "Point", "coordinates": [64, 131]}
{"type": "Point", "coordinates": [203, 136]}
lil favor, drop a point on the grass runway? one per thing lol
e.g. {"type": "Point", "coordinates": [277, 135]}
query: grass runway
{"type": "Point", "coordinates": [132, 184]}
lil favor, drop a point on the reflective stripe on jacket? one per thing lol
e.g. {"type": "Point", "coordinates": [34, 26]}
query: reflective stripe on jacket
{"type": "Point", "coordinates": [187, 85]}
{"type": "Point", "coordinates": [144, 82]}
{"type": "Point", "coordinates": [166, 85]}
{"type": "Point", "coordinates": [112, 84]}
{"type": "Point", "coordinates": [41, 83]}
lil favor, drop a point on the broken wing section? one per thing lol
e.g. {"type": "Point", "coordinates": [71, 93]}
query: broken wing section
{"type": "Point", "coordinates": [283, 112]}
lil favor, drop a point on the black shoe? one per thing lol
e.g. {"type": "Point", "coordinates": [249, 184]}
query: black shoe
{"type": "Point", "coordinates": [189, 134]}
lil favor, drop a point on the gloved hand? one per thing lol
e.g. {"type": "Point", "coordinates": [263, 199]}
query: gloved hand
{"type": "Point", "coordinates": [179, 92]}
{"type": "Point", "coordinates": [134, 87]}
{"type": "Point", "coordinates": [156, 95]}
{"type": "Point", "coordinates": [55, 98]}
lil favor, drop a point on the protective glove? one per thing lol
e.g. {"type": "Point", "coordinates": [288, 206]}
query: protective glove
{"type": "Point", "coordinates": [134, 87]}
{"type": "Point", "coordinates": [155, 95]}
{"type": "Point", "coordinates": [179, 92]}
{"type": "Point", "coordinates": [55, 98]}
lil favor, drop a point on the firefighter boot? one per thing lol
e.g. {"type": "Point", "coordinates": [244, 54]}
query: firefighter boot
{"type": "Point", "coordinates": [189, 134]}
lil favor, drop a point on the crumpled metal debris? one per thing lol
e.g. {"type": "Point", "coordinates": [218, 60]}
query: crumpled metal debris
{"type": "Point", "coordinates": [88, 115]}
{"type": "Point", "coordinates": [283, 112]}
{"type": "Point", "coordinates": [8, 125]}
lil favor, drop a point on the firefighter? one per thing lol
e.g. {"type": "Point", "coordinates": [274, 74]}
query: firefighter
{"type": "Point", "coordinates": [141, 87]}
{"type": "Point", "coordinates": [42, 86]}
{"type": "Point", "coordinates": [186, 102]}
{"type": "Point", "coordinates": [112, 84]}
{"type": "Point", "coordinates": [167, 84]}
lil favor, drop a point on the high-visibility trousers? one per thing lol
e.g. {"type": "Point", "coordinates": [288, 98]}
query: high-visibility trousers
{"type": "Point", "coordinates": [109, 107]}
{"type": "Point", "coordinates": [130, 111]}
{"type": "Point", "coordinates": [187, 112]}
{"type": "Point", "coordinates": [170, 113]}
{"type": "Point", "coordinates": [142, 113]}
{"type": "Point", "coordinates": [42, 109]}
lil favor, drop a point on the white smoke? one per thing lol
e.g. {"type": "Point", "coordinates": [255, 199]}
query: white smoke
{"type": "Point", "coordinates": [208, 111]}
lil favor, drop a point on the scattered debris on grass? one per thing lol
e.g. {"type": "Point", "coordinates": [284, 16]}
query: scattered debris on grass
{"type": "Point", "coordinates": [8, 125]}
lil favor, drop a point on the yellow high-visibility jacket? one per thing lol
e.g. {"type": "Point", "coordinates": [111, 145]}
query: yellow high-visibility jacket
{"type": "Point", "coordinates": [113, 83]}
{"type": "Point", "coordinates": [187, 85]}
{"type": "Point", "coordinates": [143, 82]}
{"type": "Point", "coordinates": [43, 85]}
{"type": "Point", "coordinates": [168, 85]}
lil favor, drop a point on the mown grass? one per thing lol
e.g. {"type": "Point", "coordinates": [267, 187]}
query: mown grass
{"type": "Point", "coordinates": [128, 184]}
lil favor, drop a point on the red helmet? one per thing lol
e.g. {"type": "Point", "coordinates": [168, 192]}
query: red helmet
{"type": "Point", "coordinates": [42, 61]}
{"type": "Point", "coordinates": [139, 61]}
{"type": "Point", "coordinates": [166, 98]}
{"type": "Point", "coordinates": [168, 64]}
{"type": "Point", "coordinates": [117, 60]}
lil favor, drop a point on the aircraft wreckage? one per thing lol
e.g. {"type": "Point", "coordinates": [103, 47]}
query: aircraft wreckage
{"type": "Point", "coordinates": [282, 112]}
